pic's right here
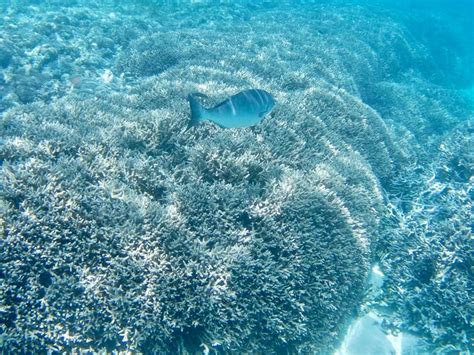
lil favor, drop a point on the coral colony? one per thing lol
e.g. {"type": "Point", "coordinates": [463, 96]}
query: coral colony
{"type": "Point", "coordinates": [122, 230]}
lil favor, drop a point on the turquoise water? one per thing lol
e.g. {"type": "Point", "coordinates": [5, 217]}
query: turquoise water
{"type": "Point", "coordinates": [339, 223]}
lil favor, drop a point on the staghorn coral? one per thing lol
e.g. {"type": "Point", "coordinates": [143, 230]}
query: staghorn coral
{"type": "Point", "coordinates": [121, 231]}
{"type": "Point", "coordinates": [203, 236]}
{"type": "Point", "coordinates": [429, 260]}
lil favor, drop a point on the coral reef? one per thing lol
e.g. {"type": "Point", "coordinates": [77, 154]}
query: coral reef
{"type": "Point", "coordinates": [211, 233]}
{"type": "Point", "coordinates": [429, 265]}
{"type": "Point", "coordinates": [122, 230]}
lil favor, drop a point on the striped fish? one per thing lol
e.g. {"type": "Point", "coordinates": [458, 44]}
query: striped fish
{"type": "Point", "coordinates": [245, 109]}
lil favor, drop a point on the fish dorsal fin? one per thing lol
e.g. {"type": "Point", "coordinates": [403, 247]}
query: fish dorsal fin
{"type": "Point", "coordinates": [225, 102]}
{"type": "Point", "coordinates": [198, 94]}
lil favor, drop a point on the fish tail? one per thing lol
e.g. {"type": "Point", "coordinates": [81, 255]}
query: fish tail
{"type": "Point", "coordinates": [196, 111]}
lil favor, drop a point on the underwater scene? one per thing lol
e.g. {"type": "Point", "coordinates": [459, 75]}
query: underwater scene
{"type": "Point", "coordinates": [236, 177]}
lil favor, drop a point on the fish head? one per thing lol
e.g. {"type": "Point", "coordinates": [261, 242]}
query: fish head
{"type": "Point", "coordinates": [268, 103]}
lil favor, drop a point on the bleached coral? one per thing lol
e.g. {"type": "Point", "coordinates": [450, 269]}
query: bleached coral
{"type": "Point", "coordinates": [123, 231]}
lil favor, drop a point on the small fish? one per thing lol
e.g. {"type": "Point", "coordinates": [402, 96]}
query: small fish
{"type": "Point", "coordinates": [245, 109]}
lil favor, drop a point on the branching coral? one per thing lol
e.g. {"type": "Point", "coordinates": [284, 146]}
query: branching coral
{"type": "Point", "coordinates": [206, 236]}
{"type": "Point", "coordinates": [123, 231]}
{"type": "Point", "coordinates": [429, 261]}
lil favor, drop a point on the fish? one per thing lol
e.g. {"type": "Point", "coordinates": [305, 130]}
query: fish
{"type": "Point", "coordinates": [245, 109]}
